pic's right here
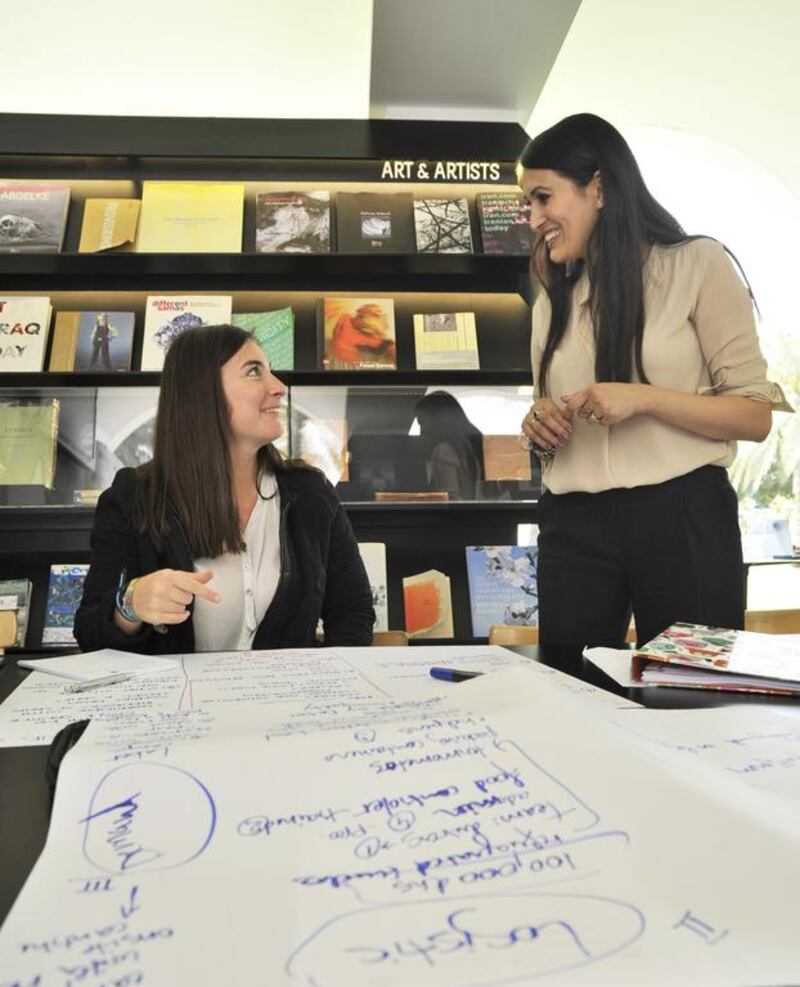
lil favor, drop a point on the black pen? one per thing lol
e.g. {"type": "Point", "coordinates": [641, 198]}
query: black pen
{"type": "Point", "coordinates": [452, 674]}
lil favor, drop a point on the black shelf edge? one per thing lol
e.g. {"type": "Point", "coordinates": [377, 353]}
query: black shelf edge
{"type": "Point", "coordinates": [136, 136]}
{"type": "Point", "coordinates": [292, 378]}
{"type": "Point", "coordinates": [333, 265]}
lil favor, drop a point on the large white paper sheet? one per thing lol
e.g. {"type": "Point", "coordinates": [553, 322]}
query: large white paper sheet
{"type": "Point", "coordinates": [502, 832]}
{"type": "Point", "coordinates": [257, 685]}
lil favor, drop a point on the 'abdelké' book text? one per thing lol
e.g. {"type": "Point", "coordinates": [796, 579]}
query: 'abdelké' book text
{"type": "Point", "coordinates": [24, 325]}
{"type": "Point", "coordinates": [109, 224]}
{"type": "Point", "coordinates": [167, 316]}
{"type": "Point", "coordinates": [505, 223]}
{"type": "Point", "coordinates": [274, 333]}
{"type": "Point", "coordinates": [191, 217]}
{"type": "Point", "coordinates": [15, 594]}
{"type": "Point", "coordinates": [375, 222]}
{"type": "Point", "coordinates": [28, 438]}
{"type": "Point", "coordinates": [92, 341]}
{"type": "Point", "coordinates": [33, 217]}
{"type": "Point", "coordinates": [446, 341]}
{"type": "Point", "coordinates": [502, 586]}
{"type": "Point", "coordinates": [357, 334]}
{"type": "Point", "coordinates": [442, 226]}
{"type": "Point", "coordinates": [293, 223]}
{"type": "Point", "coordinates": [428, 605]}
{"type": "Point", "coordinates": [64, 592]}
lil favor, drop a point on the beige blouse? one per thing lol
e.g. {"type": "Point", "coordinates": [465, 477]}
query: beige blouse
{"type": "Point", "coordinates": [699, 338]}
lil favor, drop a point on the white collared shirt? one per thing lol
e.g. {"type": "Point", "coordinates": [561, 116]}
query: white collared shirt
{"type": "Point", "coordinates": [246, 581]}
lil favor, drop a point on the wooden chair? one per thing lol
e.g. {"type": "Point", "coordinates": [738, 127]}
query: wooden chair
{"type": "Point", "coordinates": [8, 629]}
{"type": "Point", "coordinates": [513, 634]}
{"type": "Point", "coordinates": [389, 639]}
{"type": "Point", "coordinates": [772, 621]}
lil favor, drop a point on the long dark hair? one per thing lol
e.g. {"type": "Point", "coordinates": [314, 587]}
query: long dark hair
{"type": "Point", "coordinates": [190, 477]}
{"type": "Point", "coordinates": [631, 219]}
{"type": "Point", "coordinates": [442, 419]}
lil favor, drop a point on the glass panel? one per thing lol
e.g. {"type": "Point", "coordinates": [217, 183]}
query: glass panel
{"type": "Point", "coordinates": [449, 443]}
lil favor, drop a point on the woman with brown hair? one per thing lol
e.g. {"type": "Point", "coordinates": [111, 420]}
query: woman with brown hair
{"type": "Point", "coordinates": [219, 543]}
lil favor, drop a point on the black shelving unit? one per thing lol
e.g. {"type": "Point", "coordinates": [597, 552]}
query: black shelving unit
{"type": "Point", "coordinates": [85, 151]}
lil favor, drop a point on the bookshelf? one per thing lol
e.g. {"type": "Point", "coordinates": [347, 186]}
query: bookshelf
{"type": "Point", "coordinates": [111, 156]}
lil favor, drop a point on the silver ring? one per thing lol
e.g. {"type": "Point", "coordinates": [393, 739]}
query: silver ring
{"type": "Point", "coordinates": [536, 415]}
{"type": "Point", "coordinates": [594, 418]}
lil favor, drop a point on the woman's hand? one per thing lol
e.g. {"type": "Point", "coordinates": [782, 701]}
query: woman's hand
{"type": "Point", "coordinates": [162, 597]}
{"type": "Point", "coordinates": [547, 425]}
{"type": "Point", "coordinates": [608, 403]}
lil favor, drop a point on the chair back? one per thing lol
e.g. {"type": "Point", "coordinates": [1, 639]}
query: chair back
{"type": "Point", "coordinates": [389, 639]}
{"type": "Point", "coordinates": [772, 621]}
{"type": "Point", "coordinates": [513, 634]}
{"type": "Point", "coordinates": [8, 629]}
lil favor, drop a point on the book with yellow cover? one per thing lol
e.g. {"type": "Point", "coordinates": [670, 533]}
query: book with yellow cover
{"type": "Point", "coordinates": [191, 217]}
{"type": "Point", "coordinates": [446, 341]}
{"type": "Point", "coordinates": [28, 434]}
{"type": "Point", "coordinates": [109, 224]}
{"type": "Point", "coordinates": [428, 606]}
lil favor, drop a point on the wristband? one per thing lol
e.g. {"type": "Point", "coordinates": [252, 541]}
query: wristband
{"type": "Point", "coordinates": [124, 602]}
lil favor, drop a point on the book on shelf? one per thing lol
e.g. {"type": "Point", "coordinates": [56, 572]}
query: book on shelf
{"type": "Point", "coordinates": [15, 594]}
{"type": "Point", "coordinates": [92, 341]}
{"type": "Point", "coordinates": [86, 497]}
{"type": "Point", "coordinates": [357, 334]}
{"type": "Point", "coordinates": [64, 591]}
{"type": "Point", "coordinates": [28, 441]}
{"type": "Point", "coordinates": [505, 459]}
{"type": "Point", "coordinates": [502, 586]}
{"type": "Point", "coordinates": [505, 223]}
{"type": "Point", "coordinates": [167, 316]}
{"type": "Point", "coordinates": [694, 656]}
{"type": "Point", "coordinates": [191, 217]}
{"type": "Point", "coordinates": [428, 605]}
{"type": "Point", "coordinates": [109, 224]}
{"type": "Point", "coordinates": [411, 496]}
{"type": "Point", "coordinates": [274, 333]}
{"type": "Point", "coordinates": [441, 226]}
{"type": "Point", "coordinates": [293, 223]}
{"type": "Point", "coordinates": [375, 222]}
{"type": "Point", "coordinates": [24, 326]}
{"type": "Point", "coordinates": [33, 217]}
{"type": "Point", "coordinates": [323, 443]}
{"type": "Point", "coordinates": [373, 555]}
{"type": "Point", "coordinates": [446, 341]}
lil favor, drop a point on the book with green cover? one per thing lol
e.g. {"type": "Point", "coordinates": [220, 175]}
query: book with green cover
{"type": "Point", "coordinates": [274, 333]}
{"type": "Point", "coordinates": [28, 434]}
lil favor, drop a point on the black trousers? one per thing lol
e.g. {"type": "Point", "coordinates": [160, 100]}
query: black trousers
{"type": "Point", "coordinates": [670, 551]}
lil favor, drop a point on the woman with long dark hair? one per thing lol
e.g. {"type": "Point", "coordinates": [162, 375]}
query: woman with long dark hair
{"type": "Point", "coordinates": [219, 543]}
{"type": "Point", "coordinates": [647, 369]}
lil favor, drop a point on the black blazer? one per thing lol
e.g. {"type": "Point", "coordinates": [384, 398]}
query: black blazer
{"type": "Point", "coordinates": [322, 574]}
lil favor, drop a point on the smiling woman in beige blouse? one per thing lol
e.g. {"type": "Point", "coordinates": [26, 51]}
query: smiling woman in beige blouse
{"type": "Point", "coordinates": [646, 369]}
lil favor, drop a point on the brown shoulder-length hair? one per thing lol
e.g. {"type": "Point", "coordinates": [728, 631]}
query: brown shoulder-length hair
{"type": "Point", "coordinates": [189, 479]}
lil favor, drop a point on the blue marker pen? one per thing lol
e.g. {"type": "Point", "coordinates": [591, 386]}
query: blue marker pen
{"type": "Point", "coordinates": [452, 674]}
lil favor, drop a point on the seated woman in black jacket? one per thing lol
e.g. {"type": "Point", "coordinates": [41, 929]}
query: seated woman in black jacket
{"type": "Point", "coordinates": [219, 543]}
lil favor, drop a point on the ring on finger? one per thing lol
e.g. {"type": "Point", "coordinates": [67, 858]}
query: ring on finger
{"type": "Point", "coordinates": [594, 418]}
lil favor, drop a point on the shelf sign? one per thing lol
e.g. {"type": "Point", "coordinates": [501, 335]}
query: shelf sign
{"type": "Point", "coordinates": [446, 171]}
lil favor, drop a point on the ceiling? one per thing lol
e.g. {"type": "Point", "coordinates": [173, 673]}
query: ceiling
{"type": "Point", "coordinates": [711, 68]}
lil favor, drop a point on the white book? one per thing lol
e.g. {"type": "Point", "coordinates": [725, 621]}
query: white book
{"type": "Point", "coordinates": [24, 325]}
{"type": "Point", "coordinates": [373, 555]}
{"type": "Point", "coordinates": [167, 316]}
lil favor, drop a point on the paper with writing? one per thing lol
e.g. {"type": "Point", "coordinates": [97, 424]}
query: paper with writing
{"type": "Point", "coordinates": [504, 831]}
